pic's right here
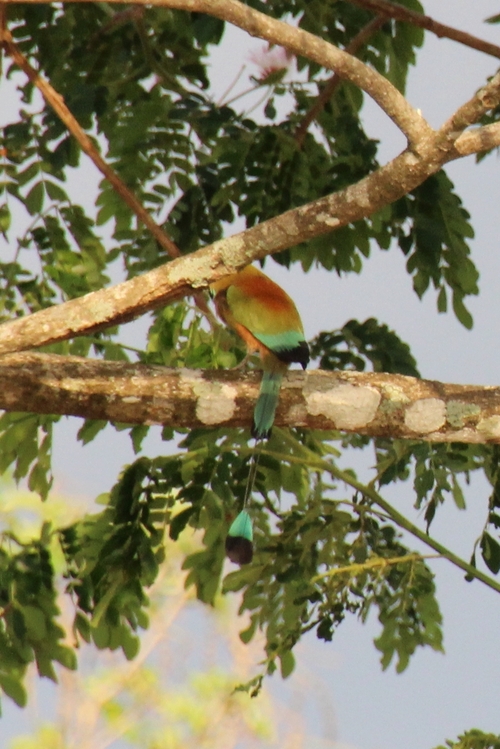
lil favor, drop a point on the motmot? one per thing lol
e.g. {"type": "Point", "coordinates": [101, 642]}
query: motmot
{"type": "Point", "coordinates": [266, 318]}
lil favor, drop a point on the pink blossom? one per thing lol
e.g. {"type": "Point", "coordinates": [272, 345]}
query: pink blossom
{"type": "Point", "coordinates": [270, 60]}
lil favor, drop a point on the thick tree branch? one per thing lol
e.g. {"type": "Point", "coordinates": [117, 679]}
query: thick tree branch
{"type": "Point", "coordinates": [377, 405]}
{"type": "Point", "coordinates": [161, 286]}
{"type": "Point", "coordinates": [400, 13]}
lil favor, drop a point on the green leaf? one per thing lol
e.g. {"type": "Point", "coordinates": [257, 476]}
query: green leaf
{"type": "Point", "coordinates": [5, 219]}
{"type": "Point", "coordinates": [55, 192]}
{"type": "Point", "coordinates": [14, 689]}
{"type": "Point", "coordinates": [461, 312]}
{"type": "Point", "coordinates": [90, 429]}
{"type": "Point", "coordinates": [34, 199]}
{"type": "Point", "coordinates": [490, 549]}
{"type": "Point", "coordinates": [287, 663]}
{"type": "Point", "coordinates": [34, 620]}
{"type": "Point", "coordinates": [436, 242]}
{"type": "Point", "coordinates": [357, 343]}
{"type": "Point", "coordinates": [130, 646]}
{"type": "Point", "coordinates": [474, 739]}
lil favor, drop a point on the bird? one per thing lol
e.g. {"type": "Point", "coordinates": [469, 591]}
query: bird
{"type": "Point", "coordinates": [239, 540]}
{"type": "Point", "coordinates": [267, 320]}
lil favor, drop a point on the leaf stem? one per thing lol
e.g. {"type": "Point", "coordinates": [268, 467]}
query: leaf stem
{"type": "Point", "coordinates": [355, 569]}
{"type": "Point", "coordinates": [400, 520]}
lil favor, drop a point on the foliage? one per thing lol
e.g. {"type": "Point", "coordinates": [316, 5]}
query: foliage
{"type": "Point", "coordinates": [327, 546]}
{"type": "Point", "coordinates": [152, 699]}
{"type": "Point", "coordinates": [357, 344]}
{"type": "Point", "coordinates": [474, 739]}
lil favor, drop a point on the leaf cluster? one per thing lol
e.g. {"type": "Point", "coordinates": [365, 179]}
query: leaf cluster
{"type": "Point", "coordinates": [289, 588]}
{"type": "Point", "coordinates": [29, 612]}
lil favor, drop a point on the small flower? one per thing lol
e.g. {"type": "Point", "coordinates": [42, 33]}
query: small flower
{"type": "Point", "coordinates": [272, 61]}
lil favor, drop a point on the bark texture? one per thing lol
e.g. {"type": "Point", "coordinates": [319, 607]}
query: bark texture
{"type": "Point", "coordinates": [373, 404]}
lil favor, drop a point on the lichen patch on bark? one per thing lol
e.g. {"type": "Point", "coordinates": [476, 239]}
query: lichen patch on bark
{"type": "Point", "coordinates": [348, 406]}
{"type": "Point", "coordinates": [215, 403]}
{"type": "Point", "coordinates": [426, 415]}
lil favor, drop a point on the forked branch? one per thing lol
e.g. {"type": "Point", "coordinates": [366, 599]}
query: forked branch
{"type": "Point", "coordinates": [429, 152]}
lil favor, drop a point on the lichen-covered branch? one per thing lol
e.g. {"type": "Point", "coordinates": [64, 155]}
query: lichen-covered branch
{"type": "Point", "coordinates": [373, 404]}
{"type": "Point", "coordinates": [168, 283]}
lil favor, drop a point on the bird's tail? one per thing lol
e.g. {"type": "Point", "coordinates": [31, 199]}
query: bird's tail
{"type": "Point", "coordinates": [265, 408]}
{"type": "Point", "coordinates": [239, 541]}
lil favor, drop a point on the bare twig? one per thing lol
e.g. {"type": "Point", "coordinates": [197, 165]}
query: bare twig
{"type": "Point", "coordinates": [330, 87]}
{"type": "Point", "coordinates": [400, 13]}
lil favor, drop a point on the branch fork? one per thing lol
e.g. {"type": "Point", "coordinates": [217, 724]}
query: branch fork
{"type": "Point", "coordinates": [428, 151]}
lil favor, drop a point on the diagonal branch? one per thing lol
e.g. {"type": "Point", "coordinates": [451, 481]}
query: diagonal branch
{"type": "Point", "coordinates": [368, 491]}
{"type": "Point", "coordinates": [57, 103]}
{"type": "Point", "coordinates": [400, 13]}
{"type": "Point", "coordinates": [354, 570]}
{"type": "Point", "coordinates": [331, 86]}
{"type": "Point", "coordinates": [168, 283]}
{"type": "Point", "coordinates": [180, 277]}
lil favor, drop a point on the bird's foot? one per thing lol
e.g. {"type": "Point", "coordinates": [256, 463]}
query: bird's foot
{"type": "Point", "coordinates": [243, 363]}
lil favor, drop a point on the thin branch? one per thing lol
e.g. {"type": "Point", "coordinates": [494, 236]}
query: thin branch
{"type": "Point", "coordinates": [56, 101]}
{"type": "Point", "coordinates": [370, 493]}
{"type": "Point", "coordinates": [122, 17]}
{"type": "Point", "coordinates": [400, 13]}
{"type": "Point", "coordinates": [302, 43]}
{"type": "Point", "coordinates": [358, 569]}
{"type": "Point", "coordinates": [331, 86]}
